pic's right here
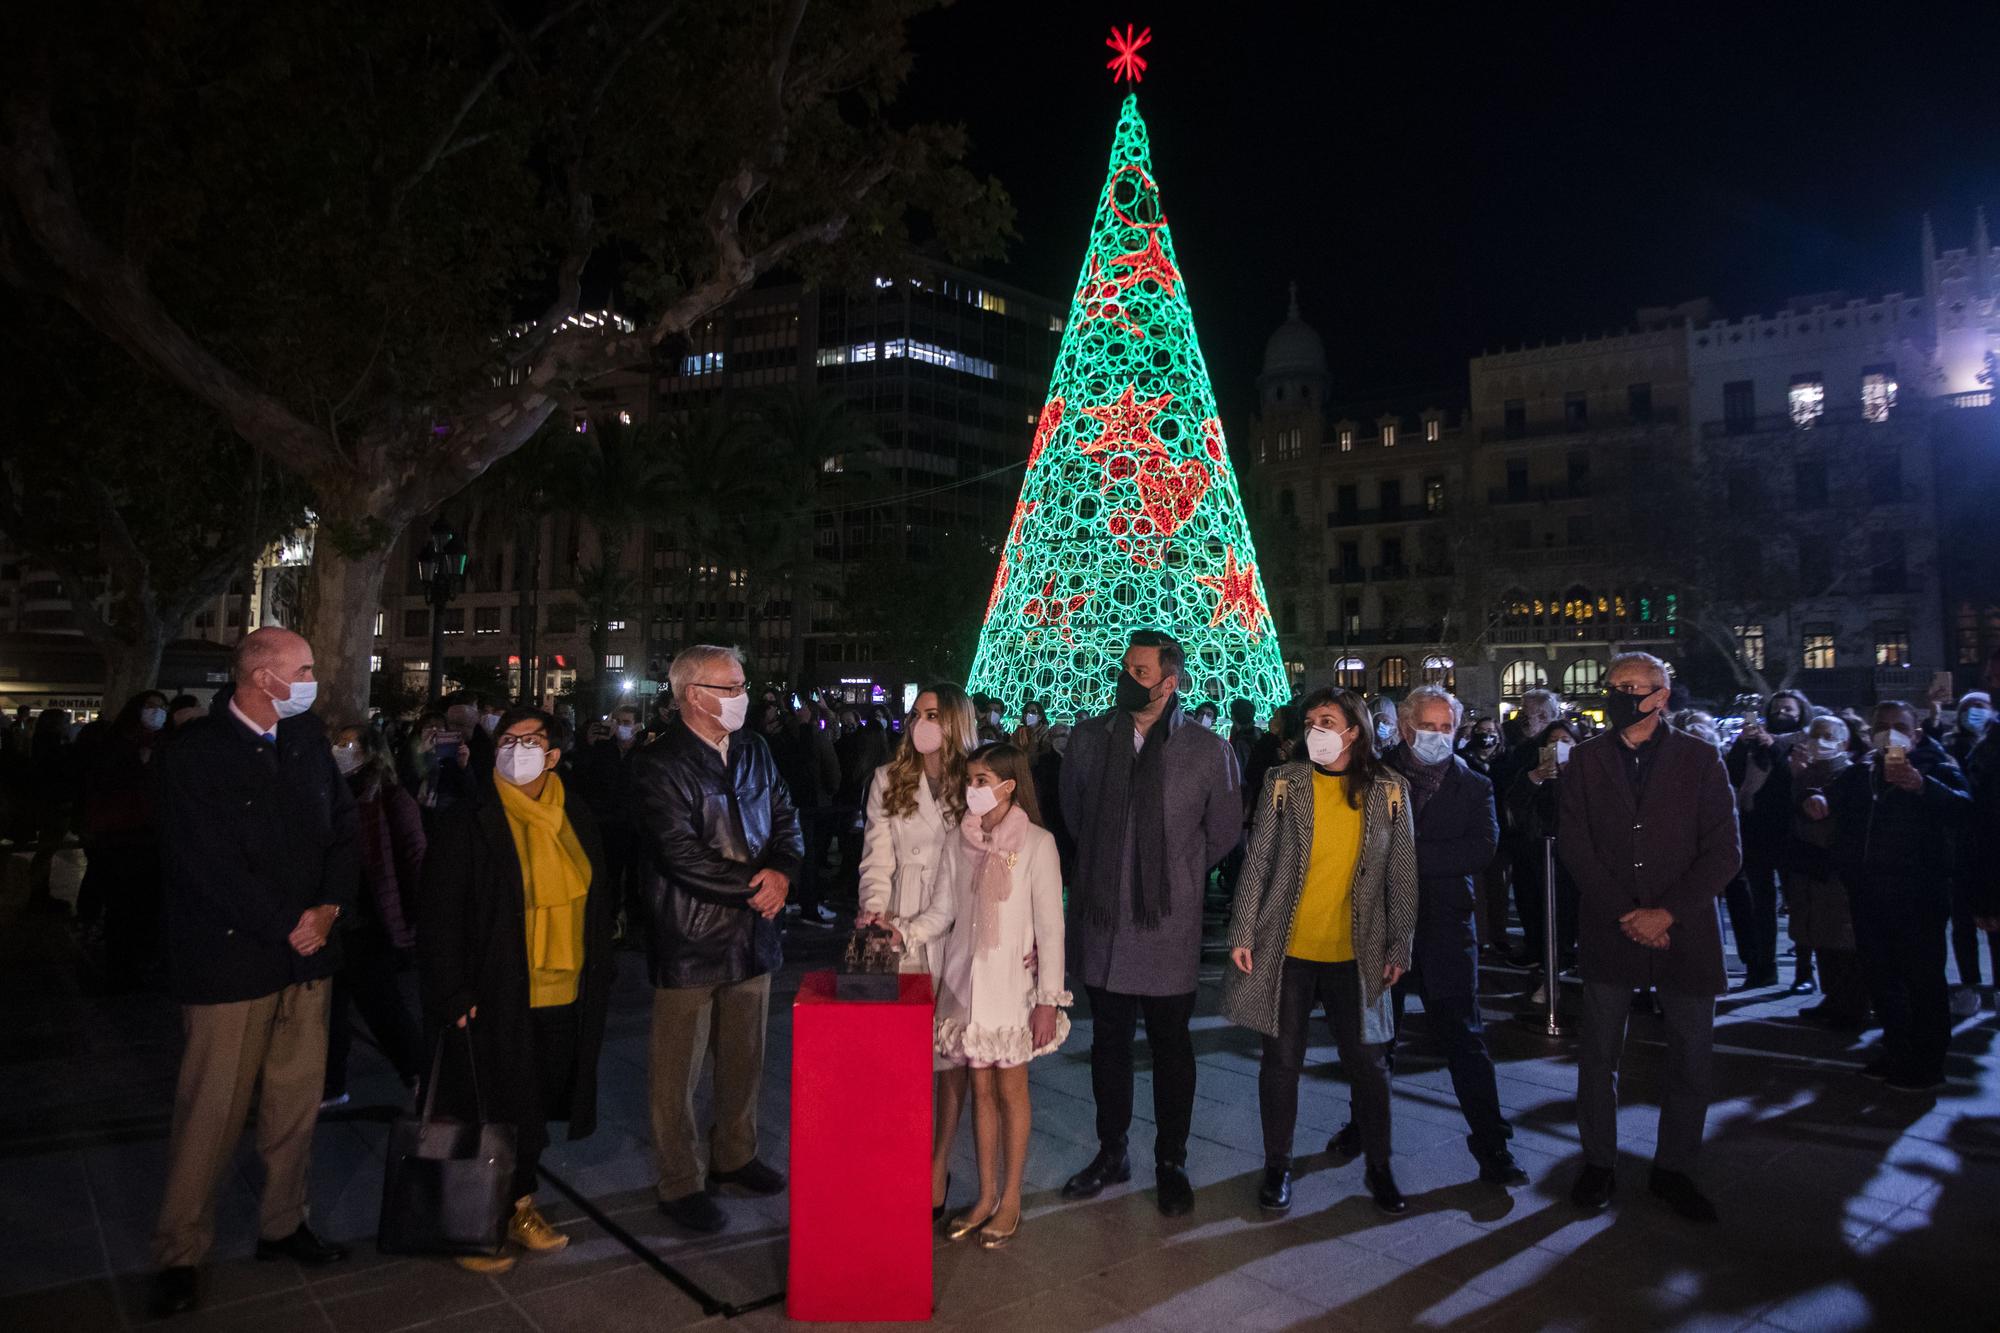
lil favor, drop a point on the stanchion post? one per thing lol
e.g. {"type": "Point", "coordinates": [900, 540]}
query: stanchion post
{"type": "Point", "coordinates": [1550, 934]}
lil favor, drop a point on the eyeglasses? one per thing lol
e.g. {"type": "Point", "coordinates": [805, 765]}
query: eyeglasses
{"type": "Point", "coordinates": [1634, 691]}
{"type": "Point", "coordinates": [726, 691]}
{"type": "Point", "coordinates": [534, 741]}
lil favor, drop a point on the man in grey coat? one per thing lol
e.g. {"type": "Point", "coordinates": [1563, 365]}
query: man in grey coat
{"type": "Point", "coordinates": [1154, 803]}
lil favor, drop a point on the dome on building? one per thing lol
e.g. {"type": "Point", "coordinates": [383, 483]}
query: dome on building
{"type": "Point", "coordinates": [1295, 349]}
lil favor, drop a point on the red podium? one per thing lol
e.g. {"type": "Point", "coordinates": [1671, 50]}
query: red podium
{"type": "Point", "coordinates": [861, 1154]}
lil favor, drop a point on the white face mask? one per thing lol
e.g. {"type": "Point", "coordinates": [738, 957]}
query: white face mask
{"type": "Point", "coordinates": [994, 717]}
{"type": "Point", "coordinates": [1206, 721]}
{"type": "Point", "coordinates": [1826, 747]}
{"type": "Point", "coordinates": [520, 764]}
{"type": "Point", "coordinates": [1430, 747]}
{"type": "Point", "coordinates": [1885, 740]}
{"type": "Point", "coordinates": [489, 721]}
{"type": "Point", "coordinates": [1031, 719]}
{"type": "Point", "coordinates": [1324, 746]}
{"type": "Point", "coordinates": [153, 719]}
{"type": "Point", "coordinates": [735, 709]}
{"type": "Point", "coordinates": [303, 694]}
{"type": "Point", "coordinates": [1974, 718]}
{"type": "Point", "coordinates": [1562, 752]}
{"type": "Point", "coordinates": [926, 737]}
{"type": "Point", "coordinates": [626, 731]}
{"type": "Point", "coordinates": [347, 758]}
{"type": "Point", "coordinates": [981, 800]}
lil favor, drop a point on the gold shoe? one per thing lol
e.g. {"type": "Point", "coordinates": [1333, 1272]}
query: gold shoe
{"type": "Point", "coordinates": [994, 1240]}
{"type": "Point", "coordinates": [531, 1231]}
{"type": "Point", "coordinates": [486, 1263]}
{"type": "Point", "coordinates": [965, 1224]}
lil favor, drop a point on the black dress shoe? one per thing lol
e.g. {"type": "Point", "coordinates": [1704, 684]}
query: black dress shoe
{"type": "Point", "coordinates": [1759, 981]}
{"type": "Point", "coordinates": [696, 1212]}
{"type": "Point", "coordinates": [1803, 986]}
{"type": "Point", "coordinates": [1681, 1194]}
{"type": "Point", "coordinates": [1345, 1144]}
{"type": "Point", "coordinates": [753, 1177]}
{"type": "Point", "coordinates": [1593, 1189]}
{"type": "Point", "coordinates": [1500, 1168]}
{"type": "Point", "coordinates": [1275, 1194]}
{"type": "Point", "coordinates": [173, 1292]}
{"type": "Point", "coordinates": [1176, 1195]}
{"type": "Point", "coordinates": [1110, 1167]}
{"type": "Point", "coordinates": [1382, 1188]}
{"type": "Point", "coordinates": [302, 1247]}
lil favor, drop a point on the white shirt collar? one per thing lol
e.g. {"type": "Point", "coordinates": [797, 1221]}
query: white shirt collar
{"type": "Point", "coordinates": [254, 728]}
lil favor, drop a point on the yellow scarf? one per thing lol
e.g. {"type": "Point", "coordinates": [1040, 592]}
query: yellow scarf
{"type": "Point", "coordinates": [555, 878]}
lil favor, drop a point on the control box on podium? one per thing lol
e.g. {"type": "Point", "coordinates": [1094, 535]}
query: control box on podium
{"type": "Point", "coordinates": [861, 1154]}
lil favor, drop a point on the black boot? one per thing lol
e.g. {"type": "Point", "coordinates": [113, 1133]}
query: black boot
{"type": "Point", "coordinates": [1593, 1189]}
{"type": "Point", "coordinates": [1382, 1186]}
{"type": "Point", "coordinates": [1275, 1195]}
{"type": "Point", "coordinates": [1110, 1167]}
{"type": "Point", "coordinates": [1170, 1183]}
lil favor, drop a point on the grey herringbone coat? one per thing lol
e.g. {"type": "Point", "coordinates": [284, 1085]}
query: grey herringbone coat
{"type": "Point", "coordinates": [1384, 897]}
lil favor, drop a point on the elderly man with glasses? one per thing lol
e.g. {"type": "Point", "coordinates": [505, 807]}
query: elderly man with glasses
{"type": "Point", "coordinates": [721, 844]}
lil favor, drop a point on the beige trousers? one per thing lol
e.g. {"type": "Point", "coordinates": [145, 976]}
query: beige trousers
{"type": "Point", "coordinates": [280, 1041]}
{"type": "Point", "coordinates": [689, 1024]}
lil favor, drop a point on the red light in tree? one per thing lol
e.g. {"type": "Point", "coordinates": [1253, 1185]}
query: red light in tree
{"type": "Point", "coordinates": [1128, 63]}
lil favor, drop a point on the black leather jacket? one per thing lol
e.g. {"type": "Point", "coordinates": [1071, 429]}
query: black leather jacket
{"type": "Point", "coordinates": [706, 831]}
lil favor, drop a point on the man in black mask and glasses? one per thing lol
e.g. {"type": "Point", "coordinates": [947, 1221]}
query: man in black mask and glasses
{"type": "Point", "coordinates": [1648, 831]}
{"type": "Point", "coordinates": [1153, 800]}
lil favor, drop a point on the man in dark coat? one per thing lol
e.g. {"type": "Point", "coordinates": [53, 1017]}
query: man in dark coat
{"type": "Point", "coordinates": [722, 847]}
{"type": "Point", "coordinates": [1648, 831]}
{"type": "Point", "coordinates": [1153, 801]}
{"type": "Point", "coordinates": [1896, 817]}
{"type": "Point", "coordinates": [257, 844]}
{"type": "Point", "coordinates": [1457, 831]}
{"type": "Point", "coordinates": [1760, 769]}
{"type": "Point", "coordinates": [602, 777]}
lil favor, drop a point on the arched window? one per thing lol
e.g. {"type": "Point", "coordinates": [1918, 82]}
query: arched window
{"type": "Point", "coordinates": [1518, 677]}
{"type": "Point", "coordinates": [1350, 673]}
{"type": "Point", "coordinates": [1393, 673]}
{"type": "Point", "coordinates": [1441, 671]}
{"type": "Point", "coordinates": [1583, 676]}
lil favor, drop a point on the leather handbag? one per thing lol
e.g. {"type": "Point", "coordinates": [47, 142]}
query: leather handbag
{"type": "Point", "coordinates": [447, 1183]}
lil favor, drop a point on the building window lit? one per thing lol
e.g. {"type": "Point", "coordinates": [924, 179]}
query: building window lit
{"type": "Point", "coordinates": [1878, 393]}
{"type": "Point", "coordinates": [374, 662]}
{"type": "Point", "coordinates": [1432, 429]}
{"type": "Point", "coordinates": [624, 418]}
{"type": "Point", "coordinates": [614, 661]}
{"type": "Point", "coordinates": [1350, 673]}
{"type": "Point", "coordinates": [1347, 439]}
{"type": "Point", "coordinates": [380, 617]}
{"type": "Point", "coordinates": [701, 363]}
{"type": "Point", "coordinates": [1441, 671]}
{"type": "Point", "coordinates": [1818, 654]}
{"type": "Point", "coordinates": [1388, 435]}
{"type": "Point", "coordinates": [1750, 645]}
{"type": "Point", "coordinates": [1583, 676]}
{"type": "Point", "coordinates": [1518, 677]}
{"type": "Point", "coordinates": [1892, 646]}
{"type": "Point", "coordinates": [614, 625]}
{"type": "Point", "coordinates": [1433, 495]}
{"type": "Point", "coordinates": [1808, 400]}
{"type": "Point", "coordinates": [1393, 674]}
{"type": "Point", "coordinates": [932, 354]}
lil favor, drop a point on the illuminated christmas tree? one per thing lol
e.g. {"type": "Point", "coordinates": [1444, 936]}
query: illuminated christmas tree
{"type": "Point", "coordinates": [1129, 516]}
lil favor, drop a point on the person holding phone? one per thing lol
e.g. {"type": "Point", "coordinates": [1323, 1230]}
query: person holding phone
{"type": "Point", "coordinates": [1000, 902]}
{"type": "Point", "coordinates": [1531, 806]}
{"type": "Point", "coordinates": [1895, 817]}
{"type": "Point", "coordinates": [1325, 917]}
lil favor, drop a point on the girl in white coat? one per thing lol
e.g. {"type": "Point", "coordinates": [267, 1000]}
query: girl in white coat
{"type": "Point", "coordinates": [915, 803]}
{"type": "Point", "coordinates": [1001, 904]}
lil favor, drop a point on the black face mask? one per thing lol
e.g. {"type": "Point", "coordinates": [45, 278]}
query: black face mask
{"type": "Point", "coordinates": [1778, 726]}
{"type": "Point", "coordinates": [1133, 697]}
{"type": "Point", "coordinates": [1623, 710]}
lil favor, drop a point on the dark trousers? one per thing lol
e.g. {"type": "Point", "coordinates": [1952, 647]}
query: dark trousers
{"type": "Point", "coordinates": [1965, 935]}
{"type": "Point", "coordinates": [1752, 899]}
{"type": "Point", "coordinates": [1493, 902]}
{"type": "Point", "coordinates": [1529, 872]}
{"type": "Point", "coordinates": [1453, 1020]}
{"type": "Point", "coordinates": [622, 865]}
{"type": "Point", "coordinates": [1114, 1022]}
{"type": "Point", "coordinates": [1683, 1101]}
{"type": "Point", "coordinates": [553, 1032]}
{"type": "Point", "coordinates": [1336, 988]}
{"type": "Point", "coordinates": [380, 981]}
{"type": "Point", "coordinates": [1902, 945]}
{"type": "Point", "coordinates": [808, 888]}
{"type": "Point", "coordinates": [1845, 986]}
{"type": "Point", "coordinates": [125, 879]}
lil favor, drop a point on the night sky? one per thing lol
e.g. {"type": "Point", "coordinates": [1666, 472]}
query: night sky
{"type": "Point", "coordinates": [1442, 179]}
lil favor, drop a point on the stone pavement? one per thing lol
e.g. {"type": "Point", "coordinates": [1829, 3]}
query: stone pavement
{"type": "Point", "coordinates": [1843, 1205]}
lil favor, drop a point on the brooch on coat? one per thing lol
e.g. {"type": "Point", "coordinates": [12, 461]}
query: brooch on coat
{"type": "Point", "coordinates": [1012, 859]}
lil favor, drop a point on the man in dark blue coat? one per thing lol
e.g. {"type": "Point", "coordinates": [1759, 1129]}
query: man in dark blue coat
{"type": "Point", "coordinates": [1456, 832]}
{"type": "Point", "coordinates": [258, 846]}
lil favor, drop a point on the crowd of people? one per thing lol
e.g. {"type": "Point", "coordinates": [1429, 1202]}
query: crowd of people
{"type": "Point", "coordinates": [461, 884]}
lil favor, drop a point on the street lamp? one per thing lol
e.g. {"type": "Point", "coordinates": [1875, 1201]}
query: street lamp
{"type": "Point", "coordinates": [440, 564]}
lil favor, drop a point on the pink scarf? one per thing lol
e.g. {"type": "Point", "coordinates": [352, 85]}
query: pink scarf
{"type": "Point", "coordinates": [993, 856]}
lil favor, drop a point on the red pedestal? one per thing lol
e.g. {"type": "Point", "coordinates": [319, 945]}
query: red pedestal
{"type": "Point", "coordinates": [861, 1154]}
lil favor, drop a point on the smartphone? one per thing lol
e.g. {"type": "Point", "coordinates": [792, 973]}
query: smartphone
{"type": "Point", "coordinates": [1558, 751]}
{"type": "Point", "coordinates": [1895, 754]}
{"type": "Point", "coordinates": [447, 744]}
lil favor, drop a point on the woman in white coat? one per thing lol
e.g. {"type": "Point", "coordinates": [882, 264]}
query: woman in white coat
{"type": "Point", "coordinates": [915, 802]}
{"type": "Point", "coordinates": [1000, 904]}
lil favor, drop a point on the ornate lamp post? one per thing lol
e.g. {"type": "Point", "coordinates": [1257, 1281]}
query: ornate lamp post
{"type": "Point", "coordinates": [440, 564]}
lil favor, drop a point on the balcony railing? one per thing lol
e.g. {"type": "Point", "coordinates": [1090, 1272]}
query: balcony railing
{"type": "Point", "coordinates": [1520, 495]}
{"type": "Point", "coordinates": [1534, 430]}
{"type": "Point", "coordinates": [1410, 513]}
{"type": "Point", "coordinates": [1590, 631]}
{"type": "Point", "coordinates": [1768, 423]}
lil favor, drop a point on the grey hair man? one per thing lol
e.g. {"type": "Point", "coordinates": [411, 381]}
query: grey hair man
{"type": "Point", "coordinates": [1457, 830]}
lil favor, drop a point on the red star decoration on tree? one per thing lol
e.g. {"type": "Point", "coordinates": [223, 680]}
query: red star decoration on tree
{"type": "Point", "coordinates": [1128, 425]}
{"type": "Point", "coordinates": [1052, 415]}
{"type": "Point", "coordinates": [1049, 611]}
{"type": "Point", "coordinates": [1151, 262]}
{"type": "Point", "coordinates": [1236, 589]}
{"type": "Point", "coordinates": [1128, 63]}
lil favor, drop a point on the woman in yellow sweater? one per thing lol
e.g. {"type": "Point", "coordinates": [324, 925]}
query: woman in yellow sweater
{"type": "Point", "coordinates": [1325, 910]}
{"type": "Point", "coordinates": [514, 946]}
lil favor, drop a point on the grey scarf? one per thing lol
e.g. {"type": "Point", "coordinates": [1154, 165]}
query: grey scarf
{"type": "Point", "coordinates": [1131, 795]}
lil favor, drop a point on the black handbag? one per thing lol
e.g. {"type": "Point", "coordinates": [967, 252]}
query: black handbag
{"type": "Point", "coordinates": [447, 1183]}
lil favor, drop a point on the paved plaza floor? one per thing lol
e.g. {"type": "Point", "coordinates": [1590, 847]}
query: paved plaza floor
{"type": "Point", "coordinates": [1844, 1205]}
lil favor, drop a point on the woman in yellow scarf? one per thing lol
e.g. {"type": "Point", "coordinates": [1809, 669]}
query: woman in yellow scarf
{"type": "Point", "coordinates": [514, 941]}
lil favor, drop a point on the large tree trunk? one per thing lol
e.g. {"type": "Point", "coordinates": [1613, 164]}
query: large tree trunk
{"type": "Point", "coordinates": [132, 661]}
{"type": "Point", "coordinates": [345, 595]}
